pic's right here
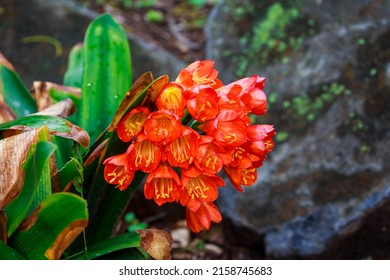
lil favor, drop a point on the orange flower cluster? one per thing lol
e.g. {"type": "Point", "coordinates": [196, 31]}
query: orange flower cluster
{"type": "Point", "coordinates": [183, 162]}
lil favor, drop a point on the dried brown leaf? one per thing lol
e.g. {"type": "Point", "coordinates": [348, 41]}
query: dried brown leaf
{"type": "Point", "coordinates": [6, 114]}
{"type": "Point", "coordinates": [155, 89]}
{"type": "Point", "coordinates": [95, 153]}
{"type": "Point", "coordinates": [30, 220]}
{"type": "Point", "coordinates": [62, 109]}
{"type": "Point", "coordinates": [41, 91]}
{"type": "Point", "coordinates": [13, 153]}
{"type": "Point", "coordinates": [77, 134]}
{"type": "Point", "coordinates": [157, 243]}
{"type": "Point", "coordinates": [138, 86]}
{"type": "Point", "coordinates": [3, 227]}
{"type": "Point", "coordinates": [65, 238]}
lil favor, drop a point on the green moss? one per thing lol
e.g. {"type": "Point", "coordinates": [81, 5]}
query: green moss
{"type": "Point", "coordinates": [361, 41]}
{"type": "Point", "coordinates": [363, 149]}
{"type": "Point", "coordinates": [272, 97]}
{"type": "Point", "coordinates": [279, 32]}
{"type": "Point", "coordinates": [309, 107]}
{"type": "Point", "coordinates": [198, 3]}
{"type": "Point", "coordinates": [373, 72]}
{"type": "Point", "coordinates": [154, 16]}
{"type": "Point", "coordinates": [271, 31]}
{"type": "Point", "coordinates": [281, 136]}
{"type": "Point", "coordinates": [143, 3]}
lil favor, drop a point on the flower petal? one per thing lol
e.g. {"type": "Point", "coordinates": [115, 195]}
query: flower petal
{"type": "Point", "coordinates": [172, 98]}
{"type": "Point", "coordinates": [131, 125]}
{"type": "Point", "coordinates": [162, 127]}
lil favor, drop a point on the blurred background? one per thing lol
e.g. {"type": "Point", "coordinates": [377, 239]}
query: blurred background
{"type": "Point", "coordinates": [324, 192]}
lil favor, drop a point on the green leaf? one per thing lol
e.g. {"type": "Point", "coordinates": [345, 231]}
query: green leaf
{"type": "Point", "coordinates": [136, 96]}
{"type": "Point", "coordinates": [120, 242]}
{"type": "Point", "coordinates": [64, 153]}
{"type": "Point", "coordinates": [58, 93]}
{"type": "Point", "coordinates": [3, 226]}
{"type": "Point", "coordinates": [74, 73]}
{"type": "Point", "coordinates": [14, 151]}
{"type": "Point", "coordinates": [44, 151]}
{"type": "Point", "coordinates": [68, 172]}
{"type": "Point", "coordinates": [109, 210]}
{"type": "Point", "coordinates": [52, 227]}
{"type": "Point", "coordinates": [56, 125]}
{"type": "Point", "coordinates": [15, 93]}
{"type": "Point", "coordinates": [34, 166]}
{"type": "Point", "coordinates": [106, 74]}
{"type": "Point", "coordinates": [107, 204]}
{"type": "Point", "coordinates": [144, 90]}
{"type": "Point", "coordinates": [34, 188]}
{"type": "Point", "coordinates": [7, 253]}
{"type": "Point", "coordinates": [126, 254]}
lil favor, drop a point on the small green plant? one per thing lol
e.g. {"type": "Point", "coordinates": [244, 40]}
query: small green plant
{"type": "Point", "coordinates": [309, 107]}
{"type": "Point", "coordinates": [274, 36]}
{"type": "Point", "coordinates": [361, 41]}
{"type": "Point", "coordinates": [373, 72]}
{"type": "Point", "coordinates": [270, 33]}
{"type": "Point", "coordinates": [133, 223]}
{"type": "Point", "coordinates": [144, 4]}
{"type": "Point", "coordinates": [138, 4]}
{"type": "Point", "coordinates": [127, 3]}
{"type": "Point", "coordinates": [281, 136]}
{"type": "Point", "coordinates": [272, 97]}
{"type": "Point", "coordinates": [197, 3]}
{"type": "Point", "coordinates": [154, 16]}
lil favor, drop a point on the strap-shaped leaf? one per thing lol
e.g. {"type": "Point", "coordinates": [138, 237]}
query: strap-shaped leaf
{"type": "Point", "coordinates": [52, 227]}
{"type": "Point", "coordinates": [74, 72]}
{"type": "Point", "coordinates": [144, 90]}
{"type": "Point", "coordinates": [3, 227]}
{"type": "Point", "coordinates": [7, 253]}
{"type": "Point", "coordinates": [120, 242]}
{"type": "Point", "coordinates": [44, 151]}
{"type": "Point", "coordinates": [56, 125]}
{"type": "Point", "coordinates": [68, 173]}
{"type": "Point", "coordinates": [106, 203]}
{"type": "Point", "coordinates": [6, 114]}
{"type": "Point", "coordinates": [36, 184]}
{"type": "Point", "coordinates": [15, 94]}
{"type": "Point", "coordinates": [14, 151]}
{"type": "Point", "coordinates": [106, 74]}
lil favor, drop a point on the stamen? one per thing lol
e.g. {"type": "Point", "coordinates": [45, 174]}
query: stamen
{"type": "Point", "coordinates": [163, 188]}
{"type": "Point", "coordinates": [115, 174]}
{"type": "Point", "coordinates": [248, 174]}
{"type": "Point", "coordinates": [197, 188]}
{"type": "Point", "coordinates": [211, 161]}
{"type": "Point", "coordinates": [145, 153]}
{"type": "Point", "coordinates": [231, 138]}
{"type": "Point", "coordinates": [238, 153]}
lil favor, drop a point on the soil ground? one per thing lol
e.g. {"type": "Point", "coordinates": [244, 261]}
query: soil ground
{"type": "Point", "coordinates": [176, 26]}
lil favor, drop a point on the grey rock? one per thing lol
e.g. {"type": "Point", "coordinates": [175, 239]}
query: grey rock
{"type": "Point", "coordinates": [333, 170]}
